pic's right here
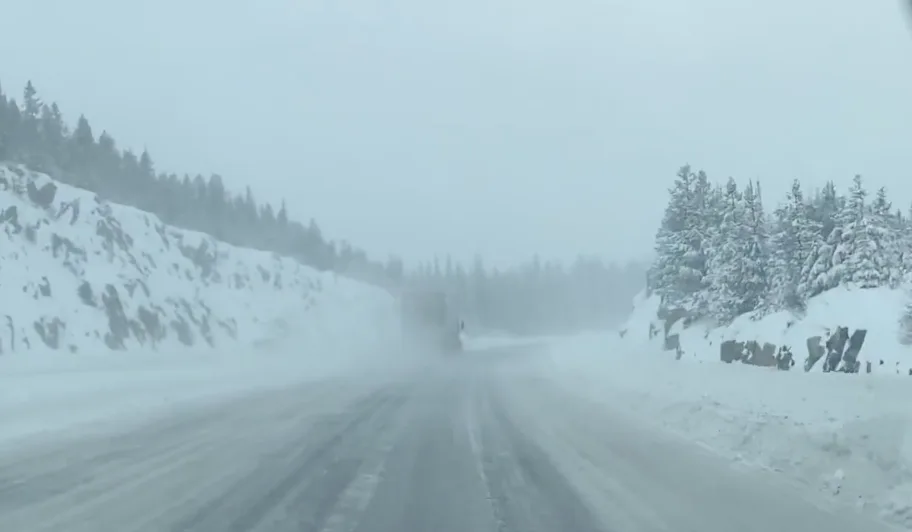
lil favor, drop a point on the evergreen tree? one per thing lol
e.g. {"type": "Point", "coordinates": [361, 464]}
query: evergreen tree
{"type": "Point", "coordinates": [31, 103]}
{"type": "Point", "coordinates": [824, 209]}
{"type": "Point", "coordinates": [821, 271]}
{"type": "Point", "coordinates": [884, 231]}
{"type": "Point", "coordinates": [795, 238]}
{"type": "Point", "coordinates": [754, 285]}
{"type": "Point", "coordinates": [679, 272]}
{"type": "Point", "coordinates": [726, 265]}
{"type": "Point", "coordinates": [82, 145]}
{"type": "Point", "coordinates": [54, 133]}
{"type": "Point", "coordinates": [853, 256]}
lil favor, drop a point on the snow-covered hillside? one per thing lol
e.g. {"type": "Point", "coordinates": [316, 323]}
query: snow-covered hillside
{"type": "Point", "coordinates": [876, 310]}
{"type": "Point", "coordinates": [81, 275]}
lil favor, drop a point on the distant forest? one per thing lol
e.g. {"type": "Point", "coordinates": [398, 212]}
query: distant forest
{"type": "Point", "coordinates": [35, 133]}
{"type": "Point", "coordinates": [539, 297]}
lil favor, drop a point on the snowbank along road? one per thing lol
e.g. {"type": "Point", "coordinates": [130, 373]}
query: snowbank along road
{"type": "Point", "coordinates": [488, 442]}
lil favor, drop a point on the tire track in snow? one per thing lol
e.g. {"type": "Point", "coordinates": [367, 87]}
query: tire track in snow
{"type": "Point", "coordinates": [528, 491]}
{"type": "Point", "coordinates": [298, 488]}
{"type": "Point", "coordinates": [142, 480]}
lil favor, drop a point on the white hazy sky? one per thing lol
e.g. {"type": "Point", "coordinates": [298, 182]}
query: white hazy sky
{"type": "Point", "coordinates": [504, 127]}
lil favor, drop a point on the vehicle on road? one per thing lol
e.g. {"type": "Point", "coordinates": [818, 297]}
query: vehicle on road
{"type": "Point", "coordinates": [428, 322]}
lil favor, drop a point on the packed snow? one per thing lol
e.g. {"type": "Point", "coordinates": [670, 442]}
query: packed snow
{"type": "Point", "coordinates": [845, 436]}
{"type": "Point", "coordinates": [108, 311]}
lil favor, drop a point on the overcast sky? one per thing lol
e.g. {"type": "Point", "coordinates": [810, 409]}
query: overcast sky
{"type": "Point", "coordinates": [503, 127]}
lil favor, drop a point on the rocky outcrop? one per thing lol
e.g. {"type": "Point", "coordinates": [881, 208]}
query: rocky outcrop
{"type": "Point", "coordinates": [815, 352]}
{"type": "Point", "coordinates": [42, 197]}
{"type": "Point", "coordinates": [850, 363]}
{"type": "Point", "coordinates": [50, 331]}
{"type": "Point", "coordinates": [840, 353]}
{"type": "Point", "coordinates": [835, 346]}
{"type": "Point", "coordinates": [731, 351]}
{"type": "Point", "coordinates": [752, 352]}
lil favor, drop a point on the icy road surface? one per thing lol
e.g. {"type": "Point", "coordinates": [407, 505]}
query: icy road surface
{"type": "Point", "coordinates": [487, 442]}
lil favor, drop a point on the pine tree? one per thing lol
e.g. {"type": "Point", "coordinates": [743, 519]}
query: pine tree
{"type": "Point", "coordinates": [82, 143]}
{"type": "Point", "coordinates": [858, 256]}
{"type": "Point", "coordinates": [679, 271]}
{"type": "Point", "coordinates": [31, 110]}
{"type": "Point", "coordinates": [823, 269]}
{"type": "Point", "coordinates": [754, 285]}
{"type": "Point", "coordinates": [54, 132]}
{"type": "Point", "coordinates": [824, 208]}
{"type": "Point", "coordinates": [726, 262]}
{"type": "Point", "coordinates": [795, 238]}
{"type": "Point", "coordinates": [699, 239]}
{"type": "Point", "coordinates": [885, 232]}
{"type": "Point", "coordinates": [146, 170]}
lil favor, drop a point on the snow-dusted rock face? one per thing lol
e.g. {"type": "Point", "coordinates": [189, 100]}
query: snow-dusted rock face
{"type": "Point", "coordinates": [80, 274]}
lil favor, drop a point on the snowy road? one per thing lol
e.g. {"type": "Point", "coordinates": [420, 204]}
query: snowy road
{"type": "Point", "coordinates": [485, 443]}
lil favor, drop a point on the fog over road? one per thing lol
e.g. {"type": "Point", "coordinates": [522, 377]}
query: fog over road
{"type": "Point", "coordinates": [486, 442]}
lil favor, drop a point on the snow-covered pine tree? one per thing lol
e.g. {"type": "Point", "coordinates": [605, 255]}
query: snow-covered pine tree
{"type": "Point", "coordinates": [850, 229]}
{"type": "Point", "coordinates": [678, 274]}
{"type": "Point", "coordinates": [701, 228]}
{"type": "Point", "coordinates": [668, 275]}
{"type": "Point", "coordinates": [31, 104]}
{"type": "Point", "coordinates": [725, 265]}
{"type": "Point", "coordinates": [885, 229]}
{"type": "Point", "coordinates": [754, 285]}
{"type": "Point", "coordinates": [824, 207]}
{"type": "Point", "coordinates": [859, 256]}
{"type": "Point", "coordinates": [715, 210]}
{"type": "Point", "coordinates": [795, 238]}
{"type": "Point", "coordinates": [817, 273]}
{"type": "Point", "coordinates": [738, 269]}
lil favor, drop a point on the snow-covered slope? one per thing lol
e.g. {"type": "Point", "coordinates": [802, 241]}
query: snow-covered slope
{"type": "Point", "coordinates": [876, 310]}
{"type": "Point", "coordinates": [83, 275]}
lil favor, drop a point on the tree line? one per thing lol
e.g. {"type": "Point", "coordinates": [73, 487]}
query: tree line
{"type": "Point", "coordinates": [537, 297]}
{"type": "Point", "coordinates": [719, 254]}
